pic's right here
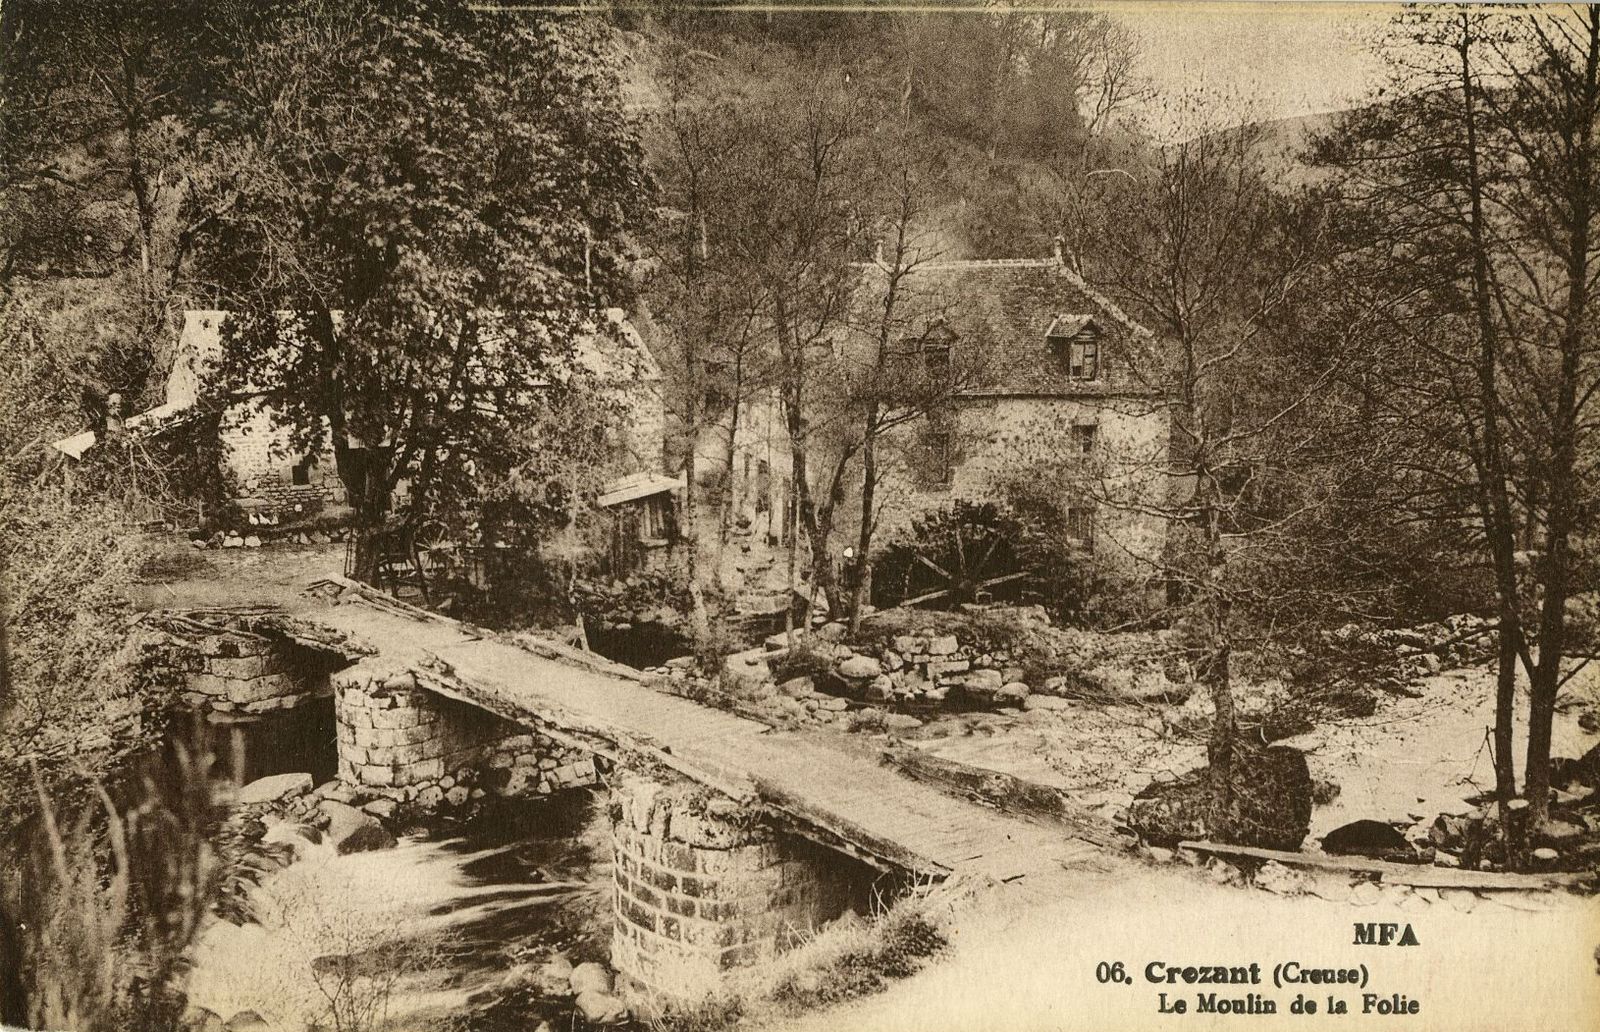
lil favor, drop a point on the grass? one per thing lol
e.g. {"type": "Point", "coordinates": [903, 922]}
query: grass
{"type": "Point", "coordinates": [849, 959]}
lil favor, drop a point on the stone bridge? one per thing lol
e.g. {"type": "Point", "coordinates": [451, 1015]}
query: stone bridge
{"type": "Point", "coordinates": [731, 837]}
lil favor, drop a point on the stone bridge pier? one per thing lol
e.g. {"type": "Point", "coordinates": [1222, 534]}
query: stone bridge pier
{"type": "Point", "coordinates": [402, 741]}
{"type": "Point", "coordinates": [704, 885]}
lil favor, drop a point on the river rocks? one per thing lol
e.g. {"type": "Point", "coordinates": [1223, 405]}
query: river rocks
{"type": "Point", "coordinates": [599, 1008]}
{"type": "Point", "coordinates": [299, 838]}
{"type": "Point", "coordinates": [1279, 878]}
{"type": "Point", "coordinates": [351, 831]}
{"type": "Point", "coordinates": [590, 977]}
{"type": "Point", "coordinates": [271, 789]}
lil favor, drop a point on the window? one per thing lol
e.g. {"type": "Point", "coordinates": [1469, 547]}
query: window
{"type": "Point", "coordinates": [934, 346]}
{"type": "Point", "coordinates": [1083, 437]}
{"type": "Point", "coordinates": [1076, 339]}
{"type": "Point", "coordinates": [657, 521]}
{"type": "Point", "coordinates": [300, 475]}
{"type": "Point", "coordinates": [1080, 528]}
{"type": "Point", "coordinates": [1083, 358]}
{"type": "Point", "coordinates": [940, 469]}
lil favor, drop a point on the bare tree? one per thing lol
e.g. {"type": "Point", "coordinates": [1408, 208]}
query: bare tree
{"type": "Point", "coordinates": [1479, 180]}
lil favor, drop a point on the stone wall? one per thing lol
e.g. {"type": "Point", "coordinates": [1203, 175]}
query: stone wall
{"type": "Point", "coordinates": [240, 672]}
{"type": "Point", "coordinates": [401, 741]}
{"type": "Point", "coordinates": [996, 439]}
{"type": "Point", "coordinates": [703, 887]}
{"type": "Point", "coordinates": [259, 455]}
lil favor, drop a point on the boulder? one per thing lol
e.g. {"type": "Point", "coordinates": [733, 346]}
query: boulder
{"type": "Point", "coordinates": [832, 631]}
{"type": "Point", "coordinates": [1046, 702]}
{"type": "Point", "coordinates": [797, 687]}
{"type": "Point", "coordinates": [554, 976]}
{"type": "Point", "coordinates": [879, 689]}
{"type": "Point", "coordinates": [602, 1008]}
{"type": "Point", "coordinates": [900, 722]}
{"type": "Point", "coordinates": [352, 831]}
{"type": "Point", "coordinates": [273, 788]}
{"type": "Point", "coordinates": [247, 1021]}
{"type": "Point", "coordinates": [859, 668]}
{"type": "Point", "coordinates": [590, 977]}
{"type": "Point", "coordinates": [1012, 694]}
{"type": "Point", "coordinates": [983, 683]}
{"type": "Point", "coordinates": [383, 809]}
{"type": "Point", "coordinates": [943, 645]}
{"type": "Point", "coordinates": [1366, 838]}
{"type": "Point", "coordinates": [907, 645]}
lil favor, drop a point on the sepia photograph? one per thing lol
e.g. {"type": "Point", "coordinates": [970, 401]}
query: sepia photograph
{"type": "Point", "coordinates": [736, 516]}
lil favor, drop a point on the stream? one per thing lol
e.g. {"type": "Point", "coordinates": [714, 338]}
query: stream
{"type": "Point", "coordinates": [441, 930]}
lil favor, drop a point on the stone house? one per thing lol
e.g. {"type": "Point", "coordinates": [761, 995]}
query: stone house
{"type": "Point", "coordinates": [1049, 394]}
{"type": "Point", "coordinates": [274, 482]}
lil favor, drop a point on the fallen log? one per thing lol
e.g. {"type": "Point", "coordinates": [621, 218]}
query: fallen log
{"type": "Point", "coordinates": [1419, 875]}
{"type": "Point", "coordinates": [1004, 791]}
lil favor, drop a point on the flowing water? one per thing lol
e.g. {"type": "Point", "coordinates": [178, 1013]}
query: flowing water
{"type": "Point", "coordinates": [441, 929]}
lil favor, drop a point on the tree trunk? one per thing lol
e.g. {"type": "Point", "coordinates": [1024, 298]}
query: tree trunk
{"type": "Point", "coordinates": [1555, 569]}
{"type": "Point", "coordinates": [869, 490]}
{"type": "Point", "coordinates": [1494, 499]}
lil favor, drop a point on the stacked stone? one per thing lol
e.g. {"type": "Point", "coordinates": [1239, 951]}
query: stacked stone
{"type": "Point", "coordinates": [407, 743]}
{"type": "Point", "coordinates": [702, 888]}
{"type": "Point", "coordinates": [928, 667]}
{"type": "Point", "coordinates": [240, 672]}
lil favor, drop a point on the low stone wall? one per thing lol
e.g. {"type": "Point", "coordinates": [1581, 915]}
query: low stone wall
{"type": "Point", "coordinates": [402, 741]}
{"type": "Point", "coordinates": [703, 887]}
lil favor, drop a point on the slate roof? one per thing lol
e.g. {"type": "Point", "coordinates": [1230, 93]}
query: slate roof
{"type": "Point", "coordinates": [1005, 308]}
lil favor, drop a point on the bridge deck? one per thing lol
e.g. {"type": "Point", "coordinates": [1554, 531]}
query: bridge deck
{"type": "Point", "coordinates": [815, 780]}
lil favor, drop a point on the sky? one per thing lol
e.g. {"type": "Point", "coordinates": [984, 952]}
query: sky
{"type": "Point", "coordinates": [1289, 58]}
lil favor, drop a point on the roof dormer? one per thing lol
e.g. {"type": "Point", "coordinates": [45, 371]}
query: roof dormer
{"type": "Point", "coordinates": [1075, 339]}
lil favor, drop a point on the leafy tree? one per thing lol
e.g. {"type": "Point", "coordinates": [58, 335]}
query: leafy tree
{"type": "Point", "coordinates": [435, 200]}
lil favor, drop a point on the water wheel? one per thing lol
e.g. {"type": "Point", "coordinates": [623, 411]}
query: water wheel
{"type": "Point", "coordinates": [951, 557]}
